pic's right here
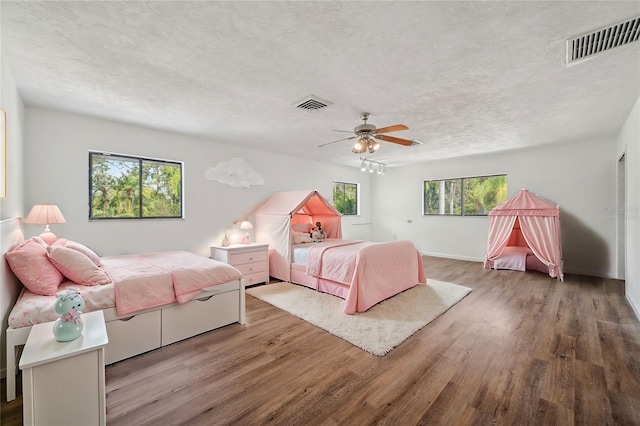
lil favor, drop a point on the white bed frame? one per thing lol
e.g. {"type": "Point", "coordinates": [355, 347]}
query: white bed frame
{"type": "Point", "coordinates": [150, 329]}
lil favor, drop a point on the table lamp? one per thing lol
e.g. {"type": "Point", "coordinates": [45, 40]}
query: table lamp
{"type": "Point", "coordinates": [246, 225]}
{"type": "Point", "coordinates": [45, 214]}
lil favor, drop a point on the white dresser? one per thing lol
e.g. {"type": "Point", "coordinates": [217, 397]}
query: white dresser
{"type": "Point", "coordinates": [63, 383]}
{"type": "Point", "coordinates": [252, 260]}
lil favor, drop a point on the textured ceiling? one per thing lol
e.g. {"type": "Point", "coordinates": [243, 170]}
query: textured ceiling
{"type": "Point", "coordinates": [465, 77]}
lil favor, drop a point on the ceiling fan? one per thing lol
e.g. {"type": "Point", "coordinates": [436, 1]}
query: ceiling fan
{"type": "Point", "coordinates": [367, 135]}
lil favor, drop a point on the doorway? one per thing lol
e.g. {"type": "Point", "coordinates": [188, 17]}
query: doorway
{"type": "Point", "coordinates": [621, 216]}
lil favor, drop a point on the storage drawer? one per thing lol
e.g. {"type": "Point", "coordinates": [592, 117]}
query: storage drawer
{"type": "Point", "coordinates": [240, 258]}
{"type": "Point", "coordinates": [132, 336]}
{"type": "Point", "coordinates": [198, 316]}
{"type": "Point", "coordinates": [259, 277]}
{"type": "Point", "coordinates": [252, 268]}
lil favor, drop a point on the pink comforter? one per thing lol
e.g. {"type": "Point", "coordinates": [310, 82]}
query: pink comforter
{"type": "Point", "coordinates": [373, 271]}
{"type": "Point", "coordinates": [143, 281]}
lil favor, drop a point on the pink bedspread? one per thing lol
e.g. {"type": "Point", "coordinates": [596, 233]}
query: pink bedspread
{"type": "Point", "coordinates": [143, 281]}
{"type": "Point", "coordinates": [373, 271]}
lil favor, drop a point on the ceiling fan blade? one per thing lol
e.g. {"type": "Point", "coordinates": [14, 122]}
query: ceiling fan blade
{"type": "Point", "coordinates": [343, 131]}
{"type": "Point", "coordinates": [343, 139]}
{"type": "Point", "coordinates": [394, 128]}
{"type": "Point", "coordinates": [399, 141]}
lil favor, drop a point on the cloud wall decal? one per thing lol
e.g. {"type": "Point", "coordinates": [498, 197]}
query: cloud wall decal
{"type": "Point", "coordinates": [235, 172]}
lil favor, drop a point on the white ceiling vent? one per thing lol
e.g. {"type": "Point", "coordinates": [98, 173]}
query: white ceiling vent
{"type": "Point", "coordinates": [588, 45]}
{"type": "Point", "coordinates": [312, 103]}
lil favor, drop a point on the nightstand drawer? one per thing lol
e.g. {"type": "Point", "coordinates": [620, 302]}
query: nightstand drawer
{"type": "Point", "coordinates": [260, 277]}
{"type": "Point", "coordinates": [236, 259]}
{"type": "Point", "coordinates": [253, 268]}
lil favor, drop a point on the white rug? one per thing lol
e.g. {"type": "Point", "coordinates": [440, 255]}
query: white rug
{"type": "Point", "coordinates": [381, 328]}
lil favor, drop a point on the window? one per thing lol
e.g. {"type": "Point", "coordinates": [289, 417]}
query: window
{"type": "Point", "coordinates": [474, 196]}
{"type": "Point", "coordinates": [125, 187]}
{"type": "Point", "coordinates": [345, 197]}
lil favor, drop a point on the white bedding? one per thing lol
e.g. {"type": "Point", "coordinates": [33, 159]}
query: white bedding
{"type": "Point", "coordinates": [301, 251]}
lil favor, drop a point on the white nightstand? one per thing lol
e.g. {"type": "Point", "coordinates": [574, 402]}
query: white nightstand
{"type": "Point", "coordinates": [63, 382]}
{"type": "Point", "coordinates": [250, 259]}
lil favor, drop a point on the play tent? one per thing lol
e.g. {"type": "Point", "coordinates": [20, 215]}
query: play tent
{"type": "Point", "coordinates": [526, 220]}
{"type": "Point", "coordinates": [274, 220]}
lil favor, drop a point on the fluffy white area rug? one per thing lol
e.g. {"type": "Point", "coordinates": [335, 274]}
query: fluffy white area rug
{"type": "Point", "coordinates": [381, 328]}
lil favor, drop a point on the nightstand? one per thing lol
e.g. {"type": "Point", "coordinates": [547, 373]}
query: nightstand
{"type": "Point", "coordinates": [63, 383]}
{"type": "Point", "coordinates": [252, 260]}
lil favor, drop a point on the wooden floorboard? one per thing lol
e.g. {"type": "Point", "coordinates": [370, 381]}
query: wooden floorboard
{"type": "Point", "coordinates": [521, 348]}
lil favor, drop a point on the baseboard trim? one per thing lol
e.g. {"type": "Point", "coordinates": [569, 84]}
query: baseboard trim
{"type": "Point", "coordinates": [451, 256]}
{"type": "Point", "coordinates": [634, 308]}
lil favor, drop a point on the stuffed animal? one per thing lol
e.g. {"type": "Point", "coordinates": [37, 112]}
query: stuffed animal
{"type": "Point", "coordinates": [317, 233]}
{"type": "Point", "coordinates": [69, 325]}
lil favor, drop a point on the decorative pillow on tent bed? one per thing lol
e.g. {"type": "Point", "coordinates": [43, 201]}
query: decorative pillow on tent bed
{"type": "Point", "coordinates": [301, 237]}
{"type": "Point", "coordinates": [301, 227]}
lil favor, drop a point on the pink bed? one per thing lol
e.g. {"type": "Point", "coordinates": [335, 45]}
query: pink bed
{"type": "Point", "coordinates": [363, 273]}
{"type": "Point", "coordinates": [144, 297]}
{"type": "Point", "coordinates": [519, 259]}
{"type": "Point", "coordinates": [139, 282]}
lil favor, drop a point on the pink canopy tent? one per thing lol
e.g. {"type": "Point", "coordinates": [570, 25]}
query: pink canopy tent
{"type": "Point", "coordinates": [275, 217]}
{"type": "Point", "coordinates": [526, 220]}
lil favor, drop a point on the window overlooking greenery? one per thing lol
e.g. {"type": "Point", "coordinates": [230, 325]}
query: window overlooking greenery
{"type": "Point", "coordinates": [474, 196]}
{"type": "Point", "coordinates": [345, 197]}
{"type": "Point", "coordinates": [125, 187]}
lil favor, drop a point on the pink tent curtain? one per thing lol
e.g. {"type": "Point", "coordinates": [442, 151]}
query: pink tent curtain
{"type": "Point", "coordinates": [540, 234]}
{"type": "Point", "coordinates": [499, 232]}
{"type": "Point", "coordinates": [539, 225]}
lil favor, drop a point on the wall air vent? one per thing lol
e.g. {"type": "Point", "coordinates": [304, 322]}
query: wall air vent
{"type": "Point", "coordinates": [312, 103]}
{"type": "Point", "coordinates": [588, 45]}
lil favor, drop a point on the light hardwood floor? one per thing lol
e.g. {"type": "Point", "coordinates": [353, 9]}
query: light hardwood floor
{"type": "Point", "coordinates": [521, 348]}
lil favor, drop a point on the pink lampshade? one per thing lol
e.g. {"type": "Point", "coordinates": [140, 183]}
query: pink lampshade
{"type": "Point", "coordinates": [45, 214]}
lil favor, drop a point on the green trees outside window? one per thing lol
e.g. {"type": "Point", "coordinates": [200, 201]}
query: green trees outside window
{"type": "Point", "coordinates": [124, 187]}
{"type": "Point", "coordinates": [474, 196]}
{"type": "Point", "coordinates": [345, 197]}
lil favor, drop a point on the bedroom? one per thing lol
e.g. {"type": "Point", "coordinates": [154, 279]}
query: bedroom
{"type": "Point", "coordinates": [48, 144]}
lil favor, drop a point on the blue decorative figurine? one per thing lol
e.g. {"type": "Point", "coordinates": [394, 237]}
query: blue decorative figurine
{"type": "Point", "coordinates": [69, 306]}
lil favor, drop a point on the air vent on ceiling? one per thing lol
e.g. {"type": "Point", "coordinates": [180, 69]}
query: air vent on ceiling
{"type": "Point", "coordinates": [312, 103]}
{"type": "Point", "coordinates": [588, 45]}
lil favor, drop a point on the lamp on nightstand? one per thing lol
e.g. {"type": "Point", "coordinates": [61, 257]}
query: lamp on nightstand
{"type": "Point", "coordinates": [246, 225]}
{"type": "Point", "coordinates": [45, 214]}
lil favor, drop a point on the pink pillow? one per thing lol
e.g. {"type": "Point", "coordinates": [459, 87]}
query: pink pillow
{"type": "Point", "coordinates": [77, 267]}
{"type": "Point", "coordinates": [30, 263]}
{"type": "Point", "coordinates": [84, 250]}
{"type": "Point", "coordinates": [59, 242]}
{"type": "Point", "coordinates": [301, 227]}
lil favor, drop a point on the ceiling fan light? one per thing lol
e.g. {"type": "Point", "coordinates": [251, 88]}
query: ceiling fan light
{"type": "Point", "coordinates": [373, 146]}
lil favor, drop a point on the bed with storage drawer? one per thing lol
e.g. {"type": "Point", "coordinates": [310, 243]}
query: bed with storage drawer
{"type": "Point", "coordinates": [182, 295]}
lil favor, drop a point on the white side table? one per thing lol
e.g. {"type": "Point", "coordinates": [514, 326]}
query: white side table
{"type": "Point", "coordinates": [63, 383]}
{"type": "Point", "coordinates": [250, 259]}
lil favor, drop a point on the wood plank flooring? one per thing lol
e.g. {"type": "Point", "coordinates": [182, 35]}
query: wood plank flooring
{"type": "Point", "coordinates": [521, 348]}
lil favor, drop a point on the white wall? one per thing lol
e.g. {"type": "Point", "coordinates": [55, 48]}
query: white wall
{"type": "Point", "coordinates": [580, 177]}
{"type": "Point", "coordinates": [57, 164]}
{"type": "Point", "coordinates": [629, 145]}
{"type": "Point", "coordinates": [11, 207]}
